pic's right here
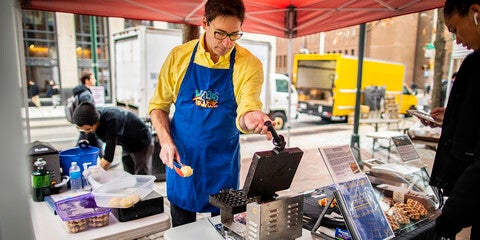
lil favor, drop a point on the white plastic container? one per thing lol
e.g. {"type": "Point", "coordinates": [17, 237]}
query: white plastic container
{"type": "Point", "coordinates": [97, 176]}
{"type": "Point", "coordinates": [124, 191]}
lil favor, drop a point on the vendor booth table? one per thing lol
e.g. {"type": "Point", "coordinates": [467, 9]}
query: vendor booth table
{"type": "Point", "coordinates": [386, 135]}
{"type": "Point", "coordinates": [48, 226]}
{"type": "Point", "coordinates": [430, 142]}
{"type": "Point", "coordinates": [206, 229]}
{"type": "Point", "coordinates": [375, 122]}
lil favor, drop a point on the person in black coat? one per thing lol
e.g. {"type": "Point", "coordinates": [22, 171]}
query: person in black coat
{"type": "Point", "coordinates": [116, 126]}
{"type": "Point", "coordinates": [84, 94]}
{"type": "Point", "coordinates": [456, 168]}
{"type": "Point", "coordinates": [34, 93]}
{"type": "Point", "coordinates": [53, 92]}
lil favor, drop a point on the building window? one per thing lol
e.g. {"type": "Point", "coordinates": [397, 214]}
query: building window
{"type": "Point", "coordinates": [84, 50]}
{"type": "Point", "coordinates": [40, 43]}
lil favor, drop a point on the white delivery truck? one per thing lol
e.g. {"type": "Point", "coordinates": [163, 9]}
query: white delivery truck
{"type": "Point", "coordinates": [140, 53]}
{"type": "Point", "coordinates": [275, 87]}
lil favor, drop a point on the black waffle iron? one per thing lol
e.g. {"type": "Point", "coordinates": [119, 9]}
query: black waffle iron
{"type": "Point", "coordinates": [269, 172]}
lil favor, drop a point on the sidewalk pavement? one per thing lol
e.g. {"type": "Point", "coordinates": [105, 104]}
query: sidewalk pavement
{"type": "Point", "coordinates": [44, 112]}
{"type": "Point", "coordinates": [45, 116]}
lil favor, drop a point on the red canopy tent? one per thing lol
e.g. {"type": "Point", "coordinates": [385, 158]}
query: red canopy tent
{"type": "Point", "coordinates": [271, 17]}
{"type": "Point", "coordinates": [280, 18]}
{"type": "Point", "coordinates": [263, 16]}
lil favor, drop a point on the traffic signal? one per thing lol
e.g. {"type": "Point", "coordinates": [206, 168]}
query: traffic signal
{"type": "Point", "coordinates": [428, 65]}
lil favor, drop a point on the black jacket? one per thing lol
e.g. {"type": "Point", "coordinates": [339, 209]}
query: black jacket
{"type": "Point", "coordinates": [456, 169]}
{"type": "Point", "coordinates": [461, 127]}
{"type": "Point", "coordinates": [120, 127]}
{"type": "Point", "coordinates": [33, 90]}
{"type": "Point", "coordinates": [83, 96]}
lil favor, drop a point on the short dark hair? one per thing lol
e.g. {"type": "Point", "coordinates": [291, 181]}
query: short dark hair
{"type": "Point", "coordinates": [85, 76]}
{"type": "Point", "coordinates": [215, 8]}
{"type": "Point", "coordinates": [460, 7]}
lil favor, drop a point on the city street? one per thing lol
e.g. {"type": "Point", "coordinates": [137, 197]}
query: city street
{"type": "Point", "coordinates": [48, 125]}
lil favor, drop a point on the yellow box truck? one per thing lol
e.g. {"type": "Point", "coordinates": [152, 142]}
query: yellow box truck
{"type": "Point", "coordinates": [326, 83]}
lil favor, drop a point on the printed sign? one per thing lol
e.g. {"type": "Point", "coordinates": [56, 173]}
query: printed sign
{"type": "Point", "coordinates": [405, 148]}
{"type": "Point", "coordinates": [356, 196]}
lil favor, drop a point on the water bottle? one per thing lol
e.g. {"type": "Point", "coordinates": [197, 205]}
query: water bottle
{"type": "Point", "coordinates": [75, 177]}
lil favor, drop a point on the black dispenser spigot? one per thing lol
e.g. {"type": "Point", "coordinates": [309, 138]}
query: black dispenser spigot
{"type": "Point", "coordinates": [83, 143]}
{"type": "Point", "coordinates": [278, 140]}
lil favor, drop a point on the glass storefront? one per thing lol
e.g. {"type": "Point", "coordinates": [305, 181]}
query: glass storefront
{"type": "Point", "coordinates": [84, 52]}
{"type": "Point", "coordinates": [40, 44]}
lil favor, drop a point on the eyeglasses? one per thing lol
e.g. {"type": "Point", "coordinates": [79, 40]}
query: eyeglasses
{"type": "Point", "coordinates": [220, 35]}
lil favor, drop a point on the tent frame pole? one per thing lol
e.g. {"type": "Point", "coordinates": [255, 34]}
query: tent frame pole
{"type": "Point", "coordinates": [355, 141]}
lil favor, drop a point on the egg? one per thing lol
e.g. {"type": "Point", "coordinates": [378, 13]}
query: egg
{"type": "Point", "coordinates": [135, 198]}
{"type": "Point", "coordinates": [126, 202]}
{"type": "Point", "coordinates": [114, 202]}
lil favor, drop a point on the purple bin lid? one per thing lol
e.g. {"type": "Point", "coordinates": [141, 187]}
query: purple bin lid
{"type": "Point", "coordinates": [79, 207]}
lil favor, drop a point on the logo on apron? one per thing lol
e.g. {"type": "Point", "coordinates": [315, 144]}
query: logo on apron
{"type": "Point", "coordinates": [206, 98]}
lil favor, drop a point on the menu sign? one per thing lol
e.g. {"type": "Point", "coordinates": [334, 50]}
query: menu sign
{"type": "Point", "coordinates": [405, 148]}
{"type": "Point", "coordinates": [356, 196]}
{"type": "Point", "coordinates": [340, 162]}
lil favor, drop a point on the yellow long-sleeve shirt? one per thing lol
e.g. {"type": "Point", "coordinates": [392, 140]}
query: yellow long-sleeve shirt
{"type": "Point", "coordinates": [247, 76]}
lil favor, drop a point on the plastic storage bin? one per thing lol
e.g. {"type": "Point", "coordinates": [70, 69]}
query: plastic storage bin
{"type": "Point", "coordinates": [97, 176]}
{"type": "Point", "coordinates": [80, 155]}
{"type": "Point", "coordinates": [81, 212]}
{"type": "Point", "coordinates": [123, 192]}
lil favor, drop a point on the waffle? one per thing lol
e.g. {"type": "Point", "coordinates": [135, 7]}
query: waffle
{"type": "Point", "coordinates": [324, 201]}
{"type": "Point", "coordinates": [75, 226]}
{"type": "Point", "coordinates": [417, 206]}
{"type": "Point", "coordinates": [98, 221]}
{"type": "Point", "coordinates": [409, 211]}
{"type": "Point", "coordinates": [393, 223]}
{"type": "Point", "coordinates": [399, 215]}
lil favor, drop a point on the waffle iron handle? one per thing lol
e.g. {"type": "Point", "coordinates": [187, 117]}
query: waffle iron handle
{"type": "Point", "coordinates": [278, 140]}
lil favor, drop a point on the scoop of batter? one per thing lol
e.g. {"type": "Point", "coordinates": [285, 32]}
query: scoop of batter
{"type": "Point", "coordinates": [186, 170]}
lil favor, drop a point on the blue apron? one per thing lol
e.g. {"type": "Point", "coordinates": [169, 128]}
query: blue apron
{"type": "Point", "coordinates": [204, 131]}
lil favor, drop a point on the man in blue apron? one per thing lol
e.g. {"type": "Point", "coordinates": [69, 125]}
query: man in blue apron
{"type": "Point", "coordinates": [215, 86]}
